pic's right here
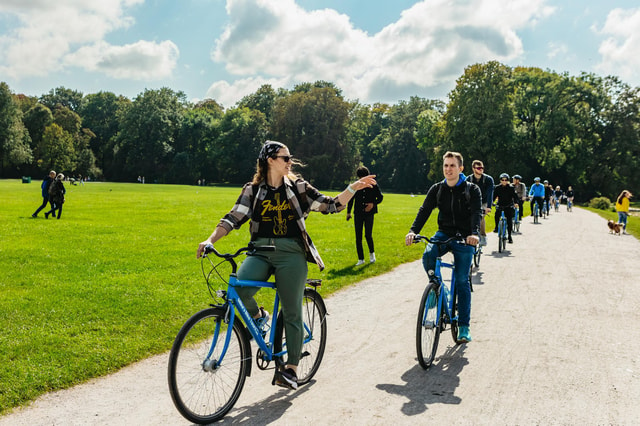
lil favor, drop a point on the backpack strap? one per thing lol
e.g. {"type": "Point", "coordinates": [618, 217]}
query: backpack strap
{"type": "Point", "coordinates": [467, 191]}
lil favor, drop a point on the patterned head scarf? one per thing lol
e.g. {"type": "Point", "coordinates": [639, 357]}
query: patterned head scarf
{"type": "Point", "coordinates": [269, 150]}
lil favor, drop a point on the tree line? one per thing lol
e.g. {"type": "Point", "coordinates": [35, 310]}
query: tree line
{"type": "Point", "coordinates": [572, 130]}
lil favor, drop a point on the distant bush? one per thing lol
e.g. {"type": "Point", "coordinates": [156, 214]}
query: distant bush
{"type": "Point", "coordinates": [601, 203]}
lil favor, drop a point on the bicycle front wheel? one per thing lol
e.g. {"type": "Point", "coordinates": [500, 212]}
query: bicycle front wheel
{"type": "Point", "coordinates": [476, 256]}
{"type": "Point", "coordinates": [202, 387]}
{"type": "Point", "coordinates": [500, 236]}
{"type": "Point", "coordinates": [428, 329]}
{"type": "Point", "coordinates": [314, 316]}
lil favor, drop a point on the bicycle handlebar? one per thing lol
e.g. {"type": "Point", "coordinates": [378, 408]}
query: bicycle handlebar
{"type": "Point", "coordinates": [250, 249]}
{"type": "Point", "coordinates": [457, 238]}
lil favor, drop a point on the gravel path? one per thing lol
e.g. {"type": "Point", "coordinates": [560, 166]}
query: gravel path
{"type": "Point", "coordinates": [555, 341]}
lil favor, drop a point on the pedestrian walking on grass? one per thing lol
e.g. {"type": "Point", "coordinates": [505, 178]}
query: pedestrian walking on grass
{"type": "Point", "coordinates": [56, 195]}
{"type": "Point", "coordinates": [44, 186]}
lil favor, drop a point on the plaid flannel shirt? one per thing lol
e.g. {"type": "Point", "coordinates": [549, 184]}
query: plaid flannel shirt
{"type": "Point", "coordinates": [310, 199]}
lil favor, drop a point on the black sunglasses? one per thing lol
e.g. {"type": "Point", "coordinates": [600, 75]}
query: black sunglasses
{"type": "Point", "coordinates": [478, 167]}
{"type": "Point", "coordinates": [286, 158]}
{"type": "Point", "coordinates": [505, 179]}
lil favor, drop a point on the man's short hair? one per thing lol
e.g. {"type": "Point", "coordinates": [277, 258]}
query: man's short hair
{"type": "Point", "coordinates": [456, 155]}
{"type": "Point", "coordinates": [477, 163]}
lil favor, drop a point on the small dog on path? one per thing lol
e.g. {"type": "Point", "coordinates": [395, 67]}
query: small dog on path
{"type": "Point", "coordinates": [614, 228]}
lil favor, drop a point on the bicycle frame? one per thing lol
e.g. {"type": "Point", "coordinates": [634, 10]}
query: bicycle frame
{"type": "Point", "coordinates": [443, 302]}
{"type": "Point", "coordinates": [234, 303]}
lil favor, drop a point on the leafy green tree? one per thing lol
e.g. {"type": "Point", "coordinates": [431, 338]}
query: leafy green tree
{"type": "Point", "coordinates": [148, 130]}
{"type": "Point", "coordinates": [14, 138]}
{"type": "Point", "coordinates": [195, 146]}
{"type": "Point", "coordinates": [479, 119]}
{"type": "Point", "coordinates": [262, 100]}
{"type": "Point", "coordinates": [36, 119]}
{"type": "Point", "coordinates": [62, 96]}
{"type": "Point", "coordinates": [101, 112]}
{"type": "Point", "coordinates": [57, 150]}
{"type": "Point", "coordinates": [403, 166]}
{"type": "Point", "coordinates": [312, 122]}
{"type": "Point", "coordinates": [242, 132]}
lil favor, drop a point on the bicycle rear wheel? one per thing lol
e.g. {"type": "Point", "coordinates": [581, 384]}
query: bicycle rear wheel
{"type": "Point", "coordinates": [427, 328]}
{"type": "Point", "coordinates": [500, 236]}
{"type": "Point", "coordinates": [203, 389]}
{"type": "Point", "coordinates": [314, 315]}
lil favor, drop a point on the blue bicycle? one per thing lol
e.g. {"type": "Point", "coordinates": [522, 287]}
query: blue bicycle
{"type": "Point", "coordinates": [536, 212]}
{"type": "Point", "coordinates": [516, 219]}
{"type": "Point", "coordinates": [502, 232]}
{"type": "Point", "coordinates": [438, 307]}
{"type": "Point", "coordinates": [211, 355]}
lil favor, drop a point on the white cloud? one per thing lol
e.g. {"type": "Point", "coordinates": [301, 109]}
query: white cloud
{"type": "Point", "coordinates": [556, 49]}
{"type": "Point", "coordinates": [621, 49]}
{"type": "Point", "coordinates": [428, 46]}
{"type": "Point", "coordinates": [142, 60]}
{"type": "Point", "coordinates": [48, 37]}
{"type": "Point", "coordinates": [228, 94]}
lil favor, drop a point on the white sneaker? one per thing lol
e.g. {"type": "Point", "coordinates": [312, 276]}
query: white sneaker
{"type": "Point", "coordinates": [372, 257]}
{"type": "Point", "coordinates": [360, 262]}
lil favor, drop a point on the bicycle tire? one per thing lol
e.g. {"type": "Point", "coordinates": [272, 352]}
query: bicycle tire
{"type": "Point", "coordinates": [314, 316]}
{"type": "Point", "coordinates": [206, 394]}
{"type": "Point", "coordinates": [476, 257]}
{"type": "Point", "coordinates": [500, 238]}
{"type": "Point", "coordinates": [427, 330]}
{"type": "Point", "coordinates": [454, 314]}
{"type": "Point", "coordinates": [536, 213]}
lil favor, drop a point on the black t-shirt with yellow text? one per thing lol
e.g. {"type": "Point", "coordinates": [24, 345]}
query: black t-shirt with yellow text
{"type": "Point", "coordinates": [275, 216]}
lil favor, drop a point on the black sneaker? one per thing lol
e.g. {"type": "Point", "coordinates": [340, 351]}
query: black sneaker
{"type": "Point", "coordinates": [510, 240]}
{"type": "Point", "coordinates": [287, 379]}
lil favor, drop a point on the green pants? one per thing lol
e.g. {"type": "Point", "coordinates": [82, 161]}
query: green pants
{"type": "Point", "coordinates": [289, 266]}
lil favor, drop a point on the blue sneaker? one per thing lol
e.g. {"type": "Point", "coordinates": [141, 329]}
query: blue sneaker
{"type": "Point", "coordinates": [463, 334]}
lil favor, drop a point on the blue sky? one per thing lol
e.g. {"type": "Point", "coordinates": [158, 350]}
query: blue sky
{"type": "Point", "coordinates": [374, 50]}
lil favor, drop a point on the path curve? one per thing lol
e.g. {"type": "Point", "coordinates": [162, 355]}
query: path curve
{"type": "Point", "coordinates": [555, 341]}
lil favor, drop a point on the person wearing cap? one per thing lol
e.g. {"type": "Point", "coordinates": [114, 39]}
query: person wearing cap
{"type": "Point", "coordinates": [507, 198]}
{"type": "Point", "coordinates": [536, 193]}
{"type": "Point", "coordinates": [276, 203]}
{"type": "Point", "coordinates": [548, 193]}
{"type": "Point", "coordinates": [521, 191]}
{"type": "Point", "coordinates": [485, 182]}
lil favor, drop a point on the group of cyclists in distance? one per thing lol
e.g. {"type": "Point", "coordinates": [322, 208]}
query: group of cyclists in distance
{"type": "Point", "coordinates": [463, 203]}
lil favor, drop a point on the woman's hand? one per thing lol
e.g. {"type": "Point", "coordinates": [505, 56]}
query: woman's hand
{"type": "Point", "coordinates": [365, 182]}
{"type": "Point", "coordinates": [408, 240]}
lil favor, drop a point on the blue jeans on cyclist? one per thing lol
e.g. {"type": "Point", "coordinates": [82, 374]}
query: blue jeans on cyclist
{"type": "Point", "coordinates": [462, 257]}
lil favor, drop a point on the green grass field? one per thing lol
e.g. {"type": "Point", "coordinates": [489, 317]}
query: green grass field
{"type": "Point", "coordinates": [113, 280]}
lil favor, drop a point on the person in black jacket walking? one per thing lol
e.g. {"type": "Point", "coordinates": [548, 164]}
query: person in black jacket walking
{"type": "Point", "coordinates": [45, 192]}
{"type": "Point", "coordinates": [56, 195]}
{"type": "Point", "coordinates": [365, 205]}
{"type": "Point", "coordinates": [459, 203]}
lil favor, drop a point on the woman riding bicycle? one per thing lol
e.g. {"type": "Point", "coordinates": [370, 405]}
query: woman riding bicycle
{"type": "Point", "coordinates": [460, 210]}
{"type": "Point", "coordinates": [276, 202]}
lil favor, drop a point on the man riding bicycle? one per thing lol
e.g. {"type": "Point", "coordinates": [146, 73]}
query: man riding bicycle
{"type": "Point", "coordinates": [536, 194]}
{"type": "Point", "coordinates": [485, 183]}
{"type": "Point", "coordinates": [460, 210]}
{"type": "Point", "coordinates": [507, 198]}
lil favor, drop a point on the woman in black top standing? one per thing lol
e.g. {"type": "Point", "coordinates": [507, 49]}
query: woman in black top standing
{"type": "Point", "coordinates": [365, 206]}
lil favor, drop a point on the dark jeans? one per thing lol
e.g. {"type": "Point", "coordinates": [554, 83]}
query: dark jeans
{"type": "Point", "coordinates": [367, 221]}
{"type": "Point", "coordinates": [538, 200]}
{"type": "Point", "coordinates": [462, 258]}
{"type": "Point", "coordinates": [45, 201]}
{"type": "Point", "coordinates": [54, 207]}
{"type": "Point", "coordinates": [520, 209]}
{"type": "Point", "coordinates": [509, 212]}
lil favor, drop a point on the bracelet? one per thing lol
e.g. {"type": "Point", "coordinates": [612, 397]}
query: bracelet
{"type": "Point", "coordinates": [350, 189]}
